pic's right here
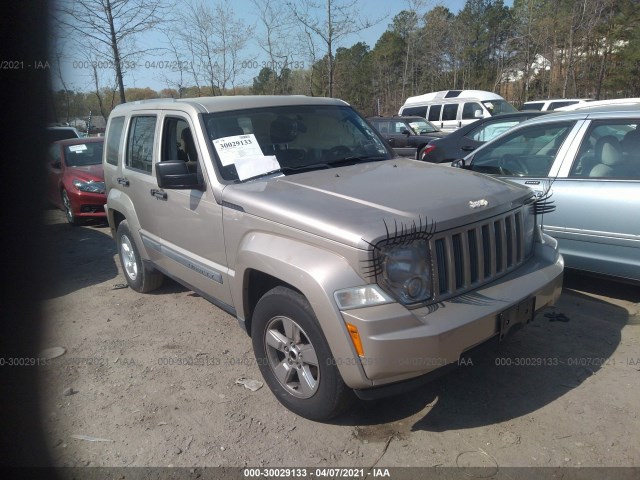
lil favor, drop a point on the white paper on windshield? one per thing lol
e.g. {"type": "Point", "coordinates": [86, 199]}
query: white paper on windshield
{"type": "Point", "coordinates": [232, 149]}
{"type": "Point", "coordinates": [248, 167]}
{"type": "Point", "coordinates": [77, 148]}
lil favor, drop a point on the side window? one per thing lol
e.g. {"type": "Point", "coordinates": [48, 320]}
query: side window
{"type": "Point", "coordinates": [415, 111]}
{"type": "Point", "coordinates": [381, 126]}
{"type": "Point", "coordinates": [554, 105]}
{"type": "Point", "coordinates": [610, 149]}
{"type": "Point", "coordinates": [177, 141]}
{"type": "Point", "coordinates": [140, 143]}
{"type": "Point", "coordinates": [398, 127]}
{"type": "Point", "coordinates": [530, 151]}
{"type": "Point", "coordinates": [113, 142]}
{"type": "Point", "coordinates": [54, 154]}
{"type": "Point", "coordinates": [489, 130]}
{"type": "Point", "coordinates": [469, 110]}
{"type": "Point", "coordinates": [533, 106]}
{"type": "Point", "coordinates": [434, 113]}
{"type": "Point", "coordinates": [450, 111]}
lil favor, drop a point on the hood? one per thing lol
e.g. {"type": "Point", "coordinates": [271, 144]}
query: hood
{"type": "Point", "coordinates": [352, 204]}
{"type": "Point", "coordinates": [88, 172]}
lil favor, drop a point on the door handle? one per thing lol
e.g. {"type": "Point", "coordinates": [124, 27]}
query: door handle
{"type": "Point", "coordinates": [159, 194]}
{"type": "Point", "coordinates": [123, 181]}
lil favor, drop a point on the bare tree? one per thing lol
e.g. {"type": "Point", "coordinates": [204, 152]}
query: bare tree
{"type": "Point", "coordinates": [277, 21]}
{"type": "Point", "coordinates": [330, 23]}
{"type": "Point", "coordinates": [214, 40]}
{"type": "Point", "coordinates": [58, 70]}
{"type": "Point", "coordinates": [179, 66]}
{"type": "Point", "coordinates": [111, 26]}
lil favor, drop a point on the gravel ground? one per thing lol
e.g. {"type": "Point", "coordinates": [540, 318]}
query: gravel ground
{"type": "Point", "coordinates": [154, 376]}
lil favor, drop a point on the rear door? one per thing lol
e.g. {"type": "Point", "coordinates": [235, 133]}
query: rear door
{"type": "Point", "coordinates": [137, 179]}
{"type": "Point", "coordinates": [449, 119]}
{"type": "Point", "coordinates": [398, 137]}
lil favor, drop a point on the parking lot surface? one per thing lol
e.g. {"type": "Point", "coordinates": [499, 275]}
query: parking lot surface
{"type": "Point", "coordinates": [156, 380]}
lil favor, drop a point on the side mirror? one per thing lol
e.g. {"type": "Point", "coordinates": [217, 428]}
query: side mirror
{"type": "Point", "coordinates": [405, 132]}
{"type": "Point", "coordinates": [478, 114]}
{"type": "Point", "coordinates": [175, 174]}
{"type": "Point", "coordinates": [459, 163]}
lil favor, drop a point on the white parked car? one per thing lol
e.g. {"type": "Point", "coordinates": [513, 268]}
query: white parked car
{"type": "Point", "coordinates": [553, 104]}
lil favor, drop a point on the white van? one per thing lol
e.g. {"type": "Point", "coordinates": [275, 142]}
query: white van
{"type": "Point", "coordinates": [452, 109]}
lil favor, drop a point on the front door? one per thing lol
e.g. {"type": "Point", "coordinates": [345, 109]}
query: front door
{"type": "Point", "coordinates": [189, 227]}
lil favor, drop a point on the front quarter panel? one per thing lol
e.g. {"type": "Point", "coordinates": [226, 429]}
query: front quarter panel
{"type": "Point", "coordinates": [317, 273]}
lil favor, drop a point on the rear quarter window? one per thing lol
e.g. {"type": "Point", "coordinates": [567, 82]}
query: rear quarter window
{"type": "Point", "coordinates": [113, 140]}
{"type": "Point", "coordinates": [415, 111]}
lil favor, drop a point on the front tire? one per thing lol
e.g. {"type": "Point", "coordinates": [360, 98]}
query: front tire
{"type": "Point", "coordinates": [68, 210]}
{"type": "Point", "coordinates": [294, 357]}
{"type": "Point", "coordinates": [139, 276]}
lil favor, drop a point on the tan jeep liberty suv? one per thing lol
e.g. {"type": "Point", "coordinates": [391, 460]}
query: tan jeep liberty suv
{"type": "Point", "coordinates": [351, 269]}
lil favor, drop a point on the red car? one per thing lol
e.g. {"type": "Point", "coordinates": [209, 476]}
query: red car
{"type": "Point", "coordinates": [76, 178]}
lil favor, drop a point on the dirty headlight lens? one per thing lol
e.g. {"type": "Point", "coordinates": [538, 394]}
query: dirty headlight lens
{"type": "Point", "coordinates": [406, 271]}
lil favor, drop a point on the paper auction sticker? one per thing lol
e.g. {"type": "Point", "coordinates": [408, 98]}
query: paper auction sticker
{"type": "Point", "coordinates": [237, 147]}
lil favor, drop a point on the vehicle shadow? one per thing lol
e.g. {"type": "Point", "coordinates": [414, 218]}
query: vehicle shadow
{"type": "Point", "coordinates": [77, 256]}
{"type": "Point", "coordinates": [564, 346]}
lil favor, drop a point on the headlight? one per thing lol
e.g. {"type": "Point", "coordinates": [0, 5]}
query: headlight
{"type": "Point", "coordinates": [406, 271]}
{"type": "Point", "coordinates": [90, 186]}
{"type": "Point", "coordinates": [529, 229]}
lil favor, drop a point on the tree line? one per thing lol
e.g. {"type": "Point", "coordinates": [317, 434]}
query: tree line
{"type": "Point", "coordinates": [531, 50]}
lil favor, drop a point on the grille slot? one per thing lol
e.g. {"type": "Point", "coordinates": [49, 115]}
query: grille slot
{"type": "Point", "coordinates": [476, 254]}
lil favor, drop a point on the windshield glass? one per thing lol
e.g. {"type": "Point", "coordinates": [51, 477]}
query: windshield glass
{"type": "Point", "coordinates": [498, 107]}
{"type": "Point", "coordinates": [250, 143]}
{"type": "Point", "coordinates": [420, 127]}
{"type": "Point", "coordinates": [83, 154]}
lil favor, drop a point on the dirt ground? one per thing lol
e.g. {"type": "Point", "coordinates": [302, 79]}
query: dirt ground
{"type": "Point", "coordinates": [154, 377]}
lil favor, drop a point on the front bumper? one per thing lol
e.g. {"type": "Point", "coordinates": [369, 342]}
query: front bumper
{"type": "Point", "coordinates": [87, 204]}
{"type": "Point", "coordinates": [401, 344]}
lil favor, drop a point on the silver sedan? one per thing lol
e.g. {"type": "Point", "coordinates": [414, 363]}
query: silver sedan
{"type": "Point", "coordinates": [588, 161]}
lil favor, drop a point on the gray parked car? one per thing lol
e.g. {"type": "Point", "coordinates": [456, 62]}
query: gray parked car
{"type": "Point", "coordinates": [351, 270]}
{"type": "Point", "coordinates": [589, 160]}
{"type": "Point", "coordinates": [408, 136]}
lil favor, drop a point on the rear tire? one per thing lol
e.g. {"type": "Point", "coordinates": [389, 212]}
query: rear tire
{"type": "Point", "coordinates": [139, 276]}
{"type": "Point", "coordinates": [294, 357]}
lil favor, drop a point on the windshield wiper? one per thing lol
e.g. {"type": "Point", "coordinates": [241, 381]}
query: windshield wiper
{"type": "Point", "coordinates": [315, 166]}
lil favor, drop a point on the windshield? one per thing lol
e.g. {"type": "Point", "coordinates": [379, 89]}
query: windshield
{"type": "Point", "coordinates": [420, 127]}
{"type": "Point", "coordinates": [83, 154]}
{"type": "Point", "coordinates": [498, 107]}
{"type": "Point", "coordinates": [250, 143]}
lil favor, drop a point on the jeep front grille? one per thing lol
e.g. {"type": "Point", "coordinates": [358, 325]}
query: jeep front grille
{"type": "Point", "coordinates": [473, 255]}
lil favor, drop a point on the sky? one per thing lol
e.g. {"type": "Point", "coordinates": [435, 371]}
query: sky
{"type": "Point", "coordinates": [78, 77]}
